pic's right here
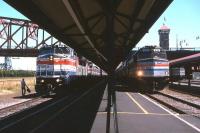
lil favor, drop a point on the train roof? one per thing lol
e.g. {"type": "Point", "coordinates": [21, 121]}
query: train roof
{"type": "Point", "coordinates": [133, 53]}
{"type": "Point", "coordinates": [53, 46]}
{"type": "Point", "coordinates": [149, 47]}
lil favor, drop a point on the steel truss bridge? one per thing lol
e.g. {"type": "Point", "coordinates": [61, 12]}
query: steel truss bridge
{"type": "Point", "coordinates": [23, 38]}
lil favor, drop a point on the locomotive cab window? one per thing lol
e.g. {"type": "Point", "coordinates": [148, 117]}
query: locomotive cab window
{"type": "Point", "coordinates": [151, 53]}
{"type": "Point", "coordinates": [66, 51]}
{"type": "Point", "coordinates": [58, 51]}
{"type": "Point", "coordinates": [46, 51]}
{"type": "Point", "coordinates": [159, 53]}
{"type": "Point", "coordinates": [144, 54]}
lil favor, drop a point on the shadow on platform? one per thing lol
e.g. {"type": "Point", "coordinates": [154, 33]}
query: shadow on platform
{"type": "Point", "coordinates": [127, 87]}
{"type": "Point", "coordinates": [27, 96]}
{"type": "Point", "coordinates": [76, 117]}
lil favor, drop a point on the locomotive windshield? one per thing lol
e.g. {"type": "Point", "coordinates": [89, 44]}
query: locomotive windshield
{"type": "Point", "coordinates": [159, 53]}
{"type": "Point", "coordinates": [44, 51]}
{"type": "Point", "coordinates": [151, 53]}
{"type": "Point", "coordinates": [57, 50]}
{"type": "Point", "coordinates": [62, 50]}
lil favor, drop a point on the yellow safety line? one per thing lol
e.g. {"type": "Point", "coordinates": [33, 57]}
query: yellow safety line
{"type": "Point", "coordinates": [137, 103]}
{"type": "Point", "coordinates": [134, 113]}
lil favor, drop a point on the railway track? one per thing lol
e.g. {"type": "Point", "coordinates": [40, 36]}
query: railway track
{"type": "Point", "coordinates": [38, 118]}
{"type": "Point", "coordinates": [192, 82]}
{"type": "Point", "coordinates": [177, 103]}
{"type": "Point", "coordinates": [12, 109]}
{"type": "Point", "coordinates": [192, 90]}
{"type": "Point", "coordinates": [184, 92]}
{"type": "Point", "coordinates": [22, 119]}
{"type": "Point", "coordinates": [181, 100]}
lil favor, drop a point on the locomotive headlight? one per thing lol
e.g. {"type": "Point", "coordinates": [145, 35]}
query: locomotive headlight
{"type": "Point", "coordinates": [51, 57]}
{"type": "Point", "coordinates": [42, 81]}
{"type": "Point", "coordinates": [140, 73]}
{"type": "Point", "coordinates": [58, 80]}
{"type": "Point", "coordinates": [166, 73]}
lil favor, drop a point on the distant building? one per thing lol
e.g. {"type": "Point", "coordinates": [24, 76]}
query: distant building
{"type": "Point", "coordinates": [164, 36]}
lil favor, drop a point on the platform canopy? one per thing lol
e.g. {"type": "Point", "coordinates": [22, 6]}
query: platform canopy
{"type": "Point", "coordinates": [104, 31]}
{"type": "Point", "coordinates": [186, 61]}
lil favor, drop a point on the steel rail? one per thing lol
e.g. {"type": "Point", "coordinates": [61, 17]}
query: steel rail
{"type": "Point", "coordinates": [30, 115]}
{"type": "Point", "coordinates": [19, 104]}
{"type": "Point", "coordinates": [180, 100]}
{"type": "Point", "coordinates": [166, 104]}
{"type": "Point", "coordinates": [185, 92]}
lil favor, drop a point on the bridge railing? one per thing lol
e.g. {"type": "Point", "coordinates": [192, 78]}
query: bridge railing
{"type": "Point", "coordinates": [175, 49]}
{"type": "Point", "coordinates": [180, 49]}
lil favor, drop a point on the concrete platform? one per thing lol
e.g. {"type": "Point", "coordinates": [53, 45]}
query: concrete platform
{"type": "Point", "coordinates": [137, 113]}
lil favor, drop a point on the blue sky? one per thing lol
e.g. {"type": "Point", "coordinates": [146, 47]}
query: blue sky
{"type": "Point", "coordinates": [182, 17]}
{"type": "Point", "coordinates": [8, 11]}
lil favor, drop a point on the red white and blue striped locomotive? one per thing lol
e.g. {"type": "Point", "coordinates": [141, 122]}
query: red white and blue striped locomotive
{"type": "Point", "coordinates": [147, 69]}
{"type": "Point", "coordinates": [57, 66]}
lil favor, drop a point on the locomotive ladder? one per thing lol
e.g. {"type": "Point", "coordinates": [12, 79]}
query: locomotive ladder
{"type": "Point", "coordinates": [111, 103]}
